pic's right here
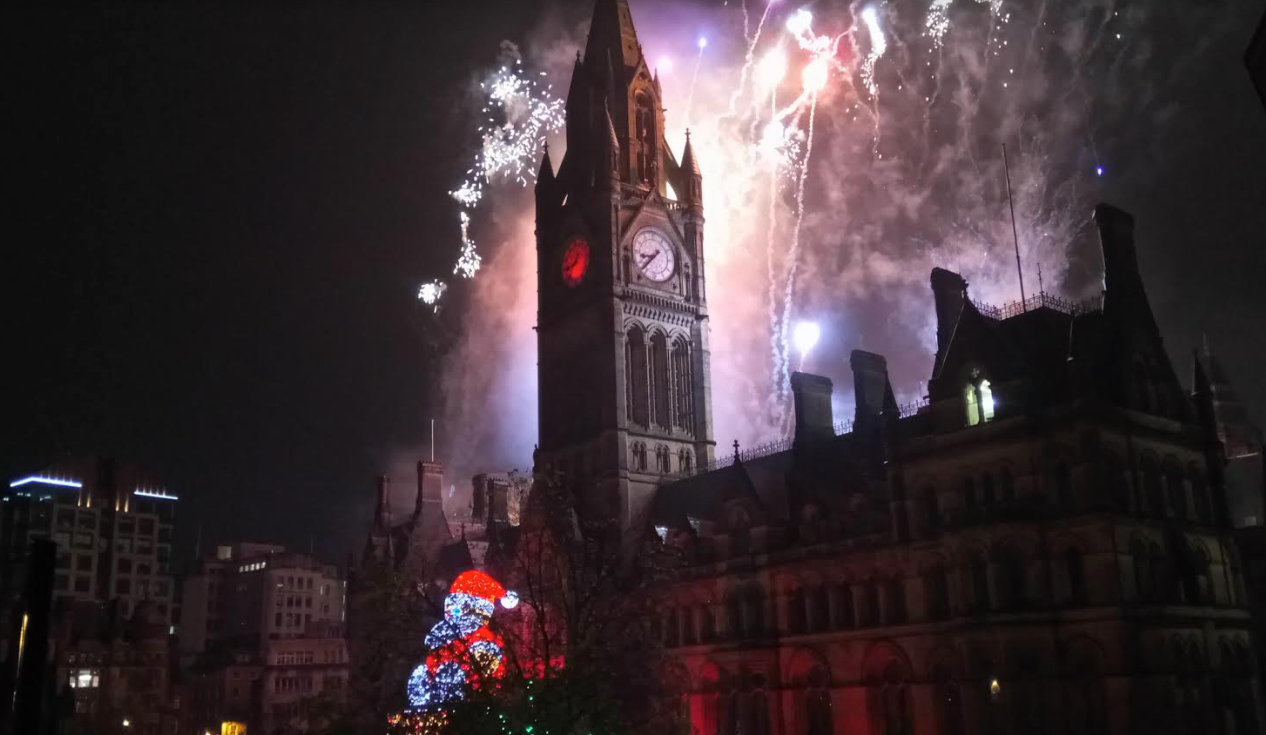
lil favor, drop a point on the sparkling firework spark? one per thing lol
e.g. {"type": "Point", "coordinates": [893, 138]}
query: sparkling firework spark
{"type": "Point", "coordinates": [519, 113]}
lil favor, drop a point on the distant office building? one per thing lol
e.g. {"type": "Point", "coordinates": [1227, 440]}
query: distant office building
{"type": "Point", "coordinates": [261, 638]}
{"type": "Point", "coordinates": [112, 522]}
{"type": "Point", "coordinates": [247, 594]}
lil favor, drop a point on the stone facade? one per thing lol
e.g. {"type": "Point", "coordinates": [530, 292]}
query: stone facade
{"type": "Point", "coordinates": [1043, 545]}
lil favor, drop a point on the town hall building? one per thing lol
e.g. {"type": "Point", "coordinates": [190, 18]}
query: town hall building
{"type": "Point", "coordinates": [1041, 545]}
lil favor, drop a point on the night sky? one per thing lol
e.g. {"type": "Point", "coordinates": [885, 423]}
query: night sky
{"type": "Point", "coordinates": [220, 215]}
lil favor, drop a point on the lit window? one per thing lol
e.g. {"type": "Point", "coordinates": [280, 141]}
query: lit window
{"type": "Point", "coordinates": [978, 397]}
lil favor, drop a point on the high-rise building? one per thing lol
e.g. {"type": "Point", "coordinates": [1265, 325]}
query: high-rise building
{"type": "Point", "coordinates": [113, 525]}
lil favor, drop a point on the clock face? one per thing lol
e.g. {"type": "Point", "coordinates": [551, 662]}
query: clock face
{"type": "Point", "coordinates": [575, 260]}
{"type": "Point", "coordinates": [654, 255]}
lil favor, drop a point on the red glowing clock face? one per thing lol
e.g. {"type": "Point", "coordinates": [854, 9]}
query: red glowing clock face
{"type": "Point", "coordinates": [575, 260]}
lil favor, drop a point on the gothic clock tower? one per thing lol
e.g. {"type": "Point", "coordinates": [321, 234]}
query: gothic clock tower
{"type": "Point", "coordinates": [622, 322]}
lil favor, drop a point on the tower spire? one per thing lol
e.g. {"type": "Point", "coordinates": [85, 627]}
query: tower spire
{"type": "Point", "coordinates": [611, 35]}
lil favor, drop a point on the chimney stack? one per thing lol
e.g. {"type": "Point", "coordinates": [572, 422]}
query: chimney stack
{"type": "Point", "coordinates": [871, 389]}
{"type": "Point", "coordinates": [430, 498]}
{"type": "Point", "coordinates": [1120, 258]}
{"type": "Point", "coordinates": [812, 397]}
{"type": "Point", "coordinates": [949, 291]}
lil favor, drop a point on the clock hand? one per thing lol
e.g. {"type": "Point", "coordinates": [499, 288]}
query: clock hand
{"type": "Point", "coordinates": [651, 257]}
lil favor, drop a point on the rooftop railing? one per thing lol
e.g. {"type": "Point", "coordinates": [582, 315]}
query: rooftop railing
{"type": "Point", "coordinates": [1041, 300]}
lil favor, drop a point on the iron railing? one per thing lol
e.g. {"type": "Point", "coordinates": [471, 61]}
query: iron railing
{"type": "Point", "coordinates": [1041, 300]}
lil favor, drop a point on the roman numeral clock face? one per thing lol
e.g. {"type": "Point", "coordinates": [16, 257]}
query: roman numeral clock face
{"type": "Point", "coordinates": [654, 255]}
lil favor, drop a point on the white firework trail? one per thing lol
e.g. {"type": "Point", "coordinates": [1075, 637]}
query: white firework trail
{"type": "Point", "coordinates": [519, 112]}
{"type": "Point", "coordinates": [694, 77]}
{"type": "Point", "coordinates": [794, 253]}
{"type": "Point", "coordinates": [751, 54]}
{"type": "Point", "coordinates": [878, 45]}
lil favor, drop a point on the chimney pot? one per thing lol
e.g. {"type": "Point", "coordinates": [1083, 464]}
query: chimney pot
{"type": "Point", "coordinates": [812, 400]}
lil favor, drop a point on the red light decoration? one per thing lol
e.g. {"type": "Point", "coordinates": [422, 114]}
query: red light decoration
{"type": "Point", "coordinates": [575, 261]}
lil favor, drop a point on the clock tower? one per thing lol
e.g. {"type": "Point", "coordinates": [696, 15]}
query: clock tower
{"type": "Point", "coordinates": [622, 320]}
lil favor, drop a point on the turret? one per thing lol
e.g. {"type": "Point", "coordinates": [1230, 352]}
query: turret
{"type": "Point", "coordinates": [382, 512]}
{"type": "Point", "coordinates": [692, 179]}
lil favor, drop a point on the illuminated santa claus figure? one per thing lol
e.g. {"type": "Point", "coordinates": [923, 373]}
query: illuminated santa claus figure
{"type": "Point", "coordinates": [463, 650]}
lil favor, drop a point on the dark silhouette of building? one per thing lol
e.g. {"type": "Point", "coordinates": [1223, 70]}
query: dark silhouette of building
{"type": "Point", "coordinates": [1043, 544]}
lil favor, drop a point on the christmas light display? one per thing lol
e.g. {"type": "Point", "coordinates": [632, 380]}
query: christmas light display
{"type": "Point", "coordinates": [464, 651]}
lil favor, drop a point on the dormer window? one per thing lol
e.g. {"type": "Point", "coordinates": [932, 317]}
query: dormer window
{"type": "Point", "coordinates": [978, 395]}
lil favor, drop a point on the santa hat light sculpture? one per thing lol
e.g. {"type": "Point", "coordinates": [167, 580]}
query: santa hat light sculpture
{"type": "Point", "coordinates": [463, 650]}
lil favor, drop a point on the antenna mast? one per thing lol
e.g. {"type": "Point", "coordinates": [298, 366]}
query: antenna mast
{"type": "Point", "coordinates": [432, 440]}
{"type": "Point", "coordinates": [1015, 234]}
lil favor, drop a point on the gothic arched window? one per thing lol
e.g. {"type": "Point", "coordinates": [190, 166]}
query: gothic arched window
{"type": "Point", "coordinates": [639, 457]}
{"type": "Point", "coordinates": [707, 624]}
{"type": "Point", "coordinates": [660, 389]}
{"type": "Point", "coordinates": [754, 611]}
{"type": "Point", "coordinates": [637, 395]}
{"type": "Point", "coordinates": [871, 589]}
{"type": "Point", "coordinates": [896, 601]}
{"type": "Point", "coordinates": [758, 714]}
{"type": "Point", "coordinates": [845, 615]}
{"type": "Point", "coordinates": [890, 702]}
{"type": "Point", "coordinates": [1199, 492]}
{"type": "Point", "coordinates": [819, 609]}
{"type": "Point", "coordinates": [796, 612]}
{"type": "Point", "coordinates": [685, 461]}
{"type": "Point", "coordinates": [979, 572]}
{"type": "Point", "coordinates": [818, 719]}
{"type": "Point", "coordinates": [1142, 562]}
{"type": "Point", "coordinates": [1176, 489]}
{"type": "Point", "coordinates": [937, 585]}
{"type": "Point", "coordinates": [1152, 486]}
{"type": "Point", "coordinates": [683, 384]}
{"type": "Point", "coordinates": [734, 614]}
{"type": "Point", "coordinates": [969, 494]}
{"type": "Point", "coordinates": [1011, 578]}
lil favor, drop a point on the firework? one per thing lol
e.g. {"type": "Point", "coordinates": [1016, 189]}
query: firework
{"type": "Point", "coordinates": [520, 110]}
